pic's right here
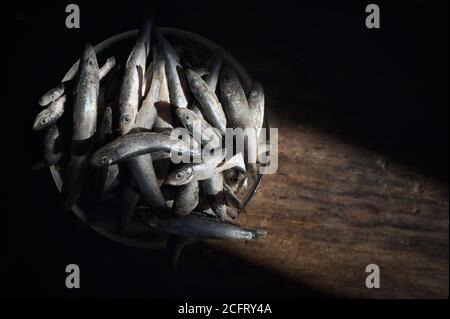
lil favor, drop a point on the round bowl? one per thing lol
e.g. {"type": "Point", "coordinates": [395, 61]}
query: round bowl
{"type": "Point", "coordinates": [141, 235]}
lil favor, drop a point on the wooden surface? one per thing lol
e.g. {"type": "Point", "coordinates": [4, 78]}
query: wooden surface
{"type": "Point", "coordinates": [332, 209]}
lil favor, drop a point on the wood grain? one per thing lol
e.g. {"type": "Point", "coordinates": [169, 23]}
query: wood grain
{"type": "Point", "coordinates": [333, 208]}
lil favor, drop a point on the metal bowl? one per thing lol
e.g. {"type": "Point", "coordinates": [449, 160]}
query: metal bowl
{"type": "Point", "coordinates": [140, 235]}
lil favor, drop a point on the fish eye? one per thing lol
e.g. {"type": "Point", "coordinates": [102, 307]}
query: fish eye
{"type": "Point", "coordinates": [44, 121]}
{"type": "Point", "coordinates": [91, 63]}
{"type": "Point", "coordinates": [187, 117]}
{"type": "Point", "coordinates": [105, 159]}
{"type": "Point", "coordinates": [179, 175]}
{"type": "Point", "coordinates": [126, 119]}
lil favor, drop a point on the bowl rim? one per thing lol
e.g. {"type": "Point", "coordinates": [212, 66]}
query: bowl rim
{"type": "Point", "coordinates": [103, 45]}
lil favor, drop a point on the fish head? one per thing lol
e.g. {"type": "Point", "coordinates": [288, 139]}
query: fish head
{"type": "Point", "coordinates": [43, 119]}
{"type": "Point", "coordinates": [89, 59]}
{"type": "Point", "coordinates": [187, 117]}
{"type": "Point", "coordinates": [104, 157]}
{"type": "Point", "coordinates": [181, 176]}
{"type": "Point", "coordinates": [126, 123]}
{"type": "Point", "coordinates": [52, 95]}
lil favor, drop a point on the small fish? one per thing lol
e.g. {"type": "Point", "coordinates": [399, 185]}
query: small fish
{"type": "Point", "coordinates": [143, 175]}
{"type": "Point", "coordinates": [199, 128]}
{"type": "Point", "coordinates": [147, 79]}
{"type": "Point", "coordinates": [147, 114]}
{"type": "Point", "coordinates": [105, 175]}
{"type": "Point", "coordinates": [52, 95]}
{"type": "Point", "coordinates": [188, 172]}
{"type": "Point", "coordinates": [131, 89]}
{"type": "Point", "coordinates": [212, 77]}
{"type": "Point", "coordinates": [213, 189]}
{"type": "Point", "coordinates": [256, 106]}
{"type": "Point", "coordinates": [208, 102]}
{"type": "Point", "coordinates": [52, 146]}
{"type": "Point", "coordinates": [105, 128]}
{"type": "Point", "coordinates": [84, 125]}
{"type": "Point", "coordinates": [50, 115]}
{"type": "Point", "coordinates": [164, 110]}
{"type": "Point", "coordinates": [198, 226]}
{"type": "Point", "coordinates": [186, 199]}
{"type": "Point", "coordinates": [174, 72]}
{"type": "Point", "coordinates": [109, 64]}
{"type": "Point", "coordinates": [234, 100]}
{"type": "Point", "coordinates": [55, 110]}
{"type": "Point", "coordinates": [135, 144]}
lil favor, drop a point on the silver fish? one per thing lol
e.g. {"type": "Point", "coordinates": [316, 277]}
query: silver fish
{"type": "Point", "coordinates": [186, 199]}
{"type": "Point", "coordinates": [55, 110]}
{"type": "Point", "coordinates": [164, 118]}
{"type": "Point", "coordinates": [50, 115]}
{"type": "Point", "coordinates": [209, 103]}
{"type": "Point", "coordinates": [234, 100]}
{"type": "Point", "coordinates": [131, 89]}
{"type": "Point", "coordinates": [212, 77]}
{"type": "Point", "coordinates": [143, 174]}
{"type": "Point", "coordinates": [199, 128]}
{"type": "Point", "coordinates": [147, 113]}
{"type": "Point", "coordinates": [198, 226]}
{"type": "Point", "coordinates": [213, 189]}
{"type": "Point", "coordinates": [52, 95]}
{"type": "Point", "coordinates": [135, 144]}
{"type": "Point", "coordinates": [174, 72]}
{"type": "Point", "coordinates": [105, 175]}
{"type": "Point", "coordinates": [52, 146]}
{"type": "Point", "coordinates": [256, 106]}
{"type": "Point", "coordinates": [105, 128]}
{"type": "Point", "coordinates": [188, 172]}
{"type": "Point", "coordinates": [84, 125]}
{"type": "Point", "coordinates": [109, 64]}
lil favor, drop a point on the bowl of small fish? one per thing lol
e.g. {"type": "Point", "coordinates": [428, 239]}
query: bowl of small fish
{"type": "Point", "coordinates": [143, 138]}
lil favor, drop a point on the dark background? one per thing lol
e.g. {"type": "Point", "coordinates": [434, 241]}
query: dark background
{"type": "Point", "coordinates": [384, 89]}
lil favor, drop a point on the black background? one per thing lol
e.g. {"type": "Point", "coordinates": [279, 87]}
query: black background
{"type": "Point", "coordinates": [391, 83]}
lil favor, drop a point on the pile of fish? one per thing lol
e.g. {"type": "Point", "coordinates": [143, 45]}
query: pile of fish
{"type": "Point", "coordinates": [108, 130]}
